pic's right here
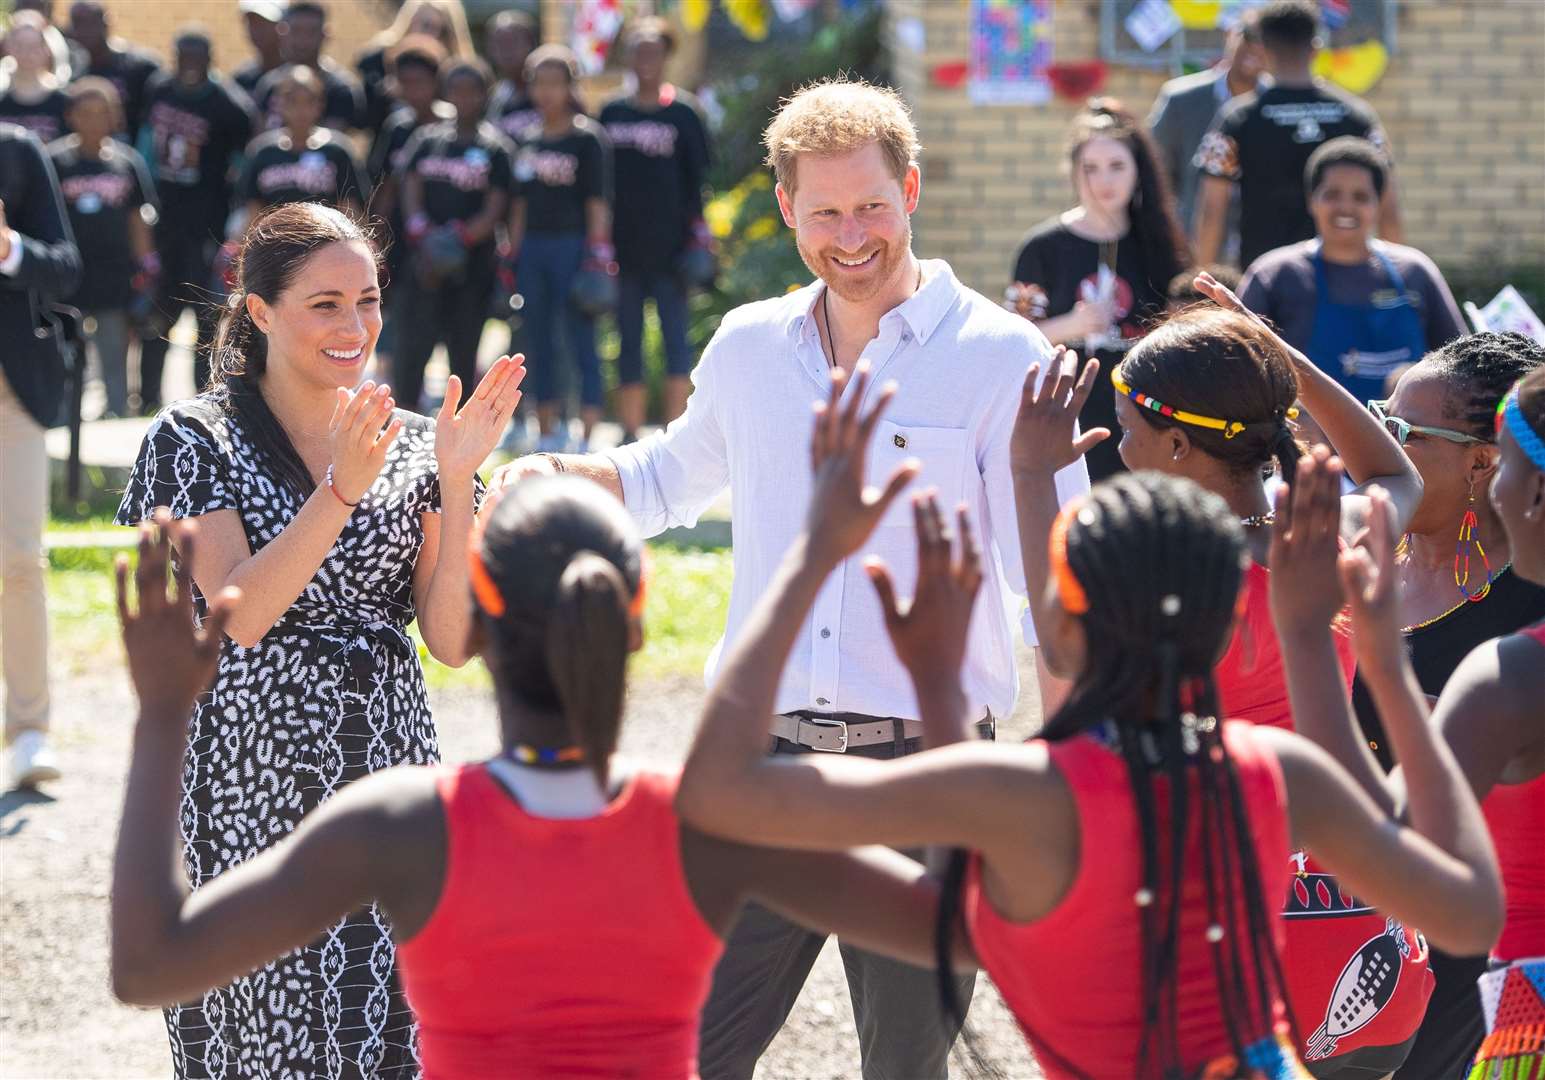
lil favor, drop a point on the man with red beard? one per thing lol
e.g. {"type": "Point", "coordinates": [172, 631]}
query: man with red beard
{"type": "Point", "coordinates": [845, 157]}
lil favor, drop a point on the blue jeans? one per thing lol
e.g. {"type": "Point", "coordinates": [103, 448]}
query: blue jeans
{"type": "Point", "coordinates": [670, 302]}
{"type": "Point", "coordinates": [548, 263]}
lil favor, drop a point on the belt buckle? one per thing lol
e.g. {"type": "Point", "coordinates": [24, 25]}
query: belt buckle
{"type": "Point", "coordinates": [841, 725]}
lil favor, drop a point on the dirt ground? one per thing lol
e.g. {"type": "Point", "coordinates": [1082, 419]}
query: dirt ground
{"type": "Point", "coordinates": [57, 1015]}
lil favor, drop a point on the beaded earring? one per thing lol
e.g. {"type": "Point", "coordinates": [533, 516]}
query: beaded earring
{"type": "Point", "coordinates": [1466, 541]}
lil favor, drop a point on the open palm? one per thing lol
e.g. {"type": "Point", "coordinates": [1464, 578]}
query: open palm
{"type": "Point", "coordinates": [464, 438]}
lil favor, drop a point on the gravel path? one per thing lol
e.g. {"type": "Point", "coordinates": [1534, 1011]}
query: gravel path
{"type": "Point", "coordinates": [57, 1015]}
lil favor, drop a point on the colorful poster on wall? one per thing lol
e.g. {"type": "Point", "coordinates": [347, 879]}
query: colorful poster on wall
{"type": "Point", "coordinates": [1010, 50]}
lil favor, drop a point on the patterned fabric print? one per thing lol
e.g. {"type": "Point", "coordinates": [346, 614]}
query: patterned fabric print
{"type": "Point", "coordinates": [332, 693]}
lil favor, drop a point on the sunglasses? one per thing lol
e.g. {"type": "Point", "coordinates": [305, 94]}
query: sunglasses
{"type": "Point", "coordinates": [1403, 429]}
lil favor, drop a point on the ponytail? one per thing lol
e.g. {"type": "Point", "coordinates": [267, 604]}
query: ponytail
{"type": "Point", "coordinates": [587, 654]}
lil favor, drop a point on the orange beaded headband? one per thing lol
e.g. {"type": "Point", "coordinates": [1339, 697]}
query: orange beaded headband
{"type": "Point", "coordinates": [1069, 591]}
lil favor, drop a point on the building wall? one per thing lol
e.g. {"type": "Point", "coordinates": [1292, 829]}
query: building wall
{"type": "Point", "coordinates": [152, 24]}
{"type": "Point", "coordinates": [1463, 102]}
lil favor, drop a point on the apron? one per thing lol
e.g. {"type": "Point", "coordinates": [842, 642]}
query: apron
{"type": "Point", "coordinates": [1358, 345]}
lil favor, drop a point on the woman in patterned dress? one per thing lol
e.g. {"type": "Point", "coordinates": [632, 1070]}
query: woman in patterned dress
{"type": "Point", "coordinates": [328, 508]}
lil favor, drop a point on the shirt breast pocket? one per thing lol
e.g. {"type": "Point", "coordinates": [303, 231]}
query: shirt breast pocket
{"type": "Point", "coordinates": [945, 454]}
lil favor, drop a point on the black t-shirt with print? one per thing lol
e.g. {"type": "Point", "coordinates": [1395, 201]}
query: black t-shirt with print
{"type": "Point", "coordinates": [659, 158]}
{"type": "Point", "coordinates": [1063, 268]}
{"type": "Point", "coordinates": [343, 106]}
{"type": "Point", "coordinates": [556, 175]}
{"type": "Point", "coordinates": [458, 172]}
{"type": "Point", "coordinates": [192, 137]}
{"type": "Point", "coordinates": [512, 112]}
{"type": "Point", "coordinates": [43, 117]}
{"type": "Point", "coordinates": [100, 194]}
{"type": "Point", "coordinates": [130, 71]}
{"type": "Point", "coordinates": [1263, 140]}
{"type": "Point", "coordinates": [386, 152]}
{"type": "Point", "coordinates": [323, 169]}
{"type": "Point", "coordinates": [371, 67]}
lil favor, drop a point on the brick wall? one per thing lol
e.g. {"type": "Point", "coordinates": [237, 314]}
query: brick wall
{"type": "Point", "coordinates": [152, 24]}
{"type": "Point", "coordinates": [1463, 101]}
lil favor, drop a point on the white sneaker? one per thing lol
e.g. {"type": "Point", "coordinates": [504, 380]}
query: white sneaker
{"type": "Point", "coordinates": [32, 762]}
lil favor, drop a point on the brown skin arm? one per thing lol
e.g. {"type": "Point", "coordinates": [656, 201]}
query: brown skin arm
{"type": "Point", "coordinates": [1211, 218]}
{"type": "Point", "coordinates": [875, 898]}
{"type": "Point", "coordinates": [141, 238]}
{"type": "Point", "coordinates": [1391, 225]}
{"type": "Point", "coordinates": [598, 221]}
{"type": "Point", "coordinates": [412, 192]}
{"type": "Point", "coordinates": [516, 225]}
{"type": "Point", "coordinates": [1454, 896]}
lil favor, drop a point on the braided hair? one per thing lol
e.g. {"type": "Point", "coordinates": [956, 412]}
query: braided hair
{"type": "Point", "coordinates": [1161, 562]}
{"type": "Point", "coordinates": [1219, 363]}
{"type": "Point", "coordinates": [1478, 371]}
{"type": "Point", "coordinates": [276, 246]}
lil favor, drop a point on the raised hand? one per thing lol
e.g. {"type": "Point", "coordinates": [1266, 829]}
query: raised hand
{"type": "Point", "coordinates": [1368, 583]}
{"type": "Point", "coordinates": [930, 634]}
{"type": "Point", "coordinates": [465, 438]}
{"type": "Point", "coordinates": [843, 512]}
{"type": "Point", "coordinates": [1224, 297]}
{"type": "Point", "coordinates": [361, 431]}
{"type": "Point", "coordinates": [1305, 538]}
{"type": "Point", "coordinates": [171, 660]}
{"type": "Point", "coordinates": [1048, 411]}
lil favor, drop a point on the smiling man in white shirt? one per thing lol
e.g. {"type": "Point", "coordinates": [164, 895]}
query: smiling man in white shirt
{"type": "Point", "coordinates": [845, 155]}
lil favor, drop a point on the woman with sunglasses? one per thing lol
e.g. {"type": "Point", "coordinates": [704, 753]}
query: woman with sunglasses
{"type": "Point", "coordinates": [1489, 715]}
{"type": "Point", "coordinates": [1457, 588]}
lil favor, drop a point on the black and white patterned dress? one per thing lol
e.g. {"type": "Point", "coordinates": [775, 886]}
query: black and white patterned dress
{"type": "Point", "coordinates": [332, 693]}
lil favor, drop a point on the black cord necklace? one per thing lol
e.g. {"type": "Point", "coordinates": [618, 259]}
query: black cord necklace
{"type": "Point", "coordinates": [826, 317]}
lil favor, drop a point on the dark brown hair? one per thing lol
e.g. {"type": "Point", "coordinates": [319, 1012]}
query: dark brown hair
{"type": "Point", "coordinates": [1223, 365]}
{"type": "Point", "coordinates": [275, 248]}
{"type": "Point", "coordinates": [1152, 208]}
{"type": "Point", "coordinates": [567, 561]}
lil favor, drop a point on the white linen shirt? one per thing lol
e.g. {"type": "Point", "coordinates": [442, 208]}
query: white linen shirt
{"type": "Point", "coordinates": [959, 362]}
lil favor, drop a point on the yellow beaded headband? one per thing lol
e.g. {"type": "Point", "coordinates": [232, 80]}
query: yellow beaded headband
{"type": "Point", "coordinates": [1230, 428]}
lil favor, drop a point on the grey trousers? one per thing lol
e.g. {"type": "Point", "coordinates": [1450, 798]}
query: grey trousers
{"type": "Point", "coordinates": [110, 348]}
{"type": "Point", "coordinates": [902, 1030]}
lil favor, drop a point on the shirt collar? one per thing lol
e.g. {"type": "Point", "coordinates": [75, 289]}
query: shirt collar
{"type": "Point", "coordinates": [922, 311]}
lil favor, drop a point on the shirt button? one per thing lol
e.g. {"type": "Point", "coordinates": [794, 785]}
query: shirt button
{"type": "Point", "coordinates": [822, 701]}
{"type": "Point", "coordinates": [825, 632]}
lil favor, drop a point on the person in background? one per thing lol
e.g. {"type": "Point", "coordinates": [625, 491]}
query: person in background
{"type": "Point", "coordinates": [511, 37]}
{"type": "Point", "coordinates": [109, 193]}
{"type": "Point", "coordinates": [413, 79]}
{"type": "Point", "coordinates": [1182, 291]}
{"type": "Point", "coordinates": [1361, 308]}
{"type": "Point", "coordinates": [39, 263]}
{"type": "Point", "coordinates": [195, 126]}
{"type": "Point", "coordinates": [299, 162]}
{"type": "Point", "coordinates": [1186, 108]}
{"type": "Point", "coordinates": [1097, 275]}
{"type": "Point", "coordinates": [1443, 412]}
{"type": "Point", "coordinates": [443, 20]}
{"type": "Point", "coordinates": [660, 156]}
{"type": "Point", "coordinates": [560, 224]}
{"type": "Point", "coordinates": [302, 34]}
{"type": "Point", "coordinates": [261, 19]}
{"type": "Point", "coordinates": [129, 69]}
{"type": "Point", "coordinates": [455, 184]}
{"type": "Point", "coordinates": [67, 56]}
{"type": "Point", "coordinates": [1262, 140]}
{"type": "Point", "coordinates": [34, 99]}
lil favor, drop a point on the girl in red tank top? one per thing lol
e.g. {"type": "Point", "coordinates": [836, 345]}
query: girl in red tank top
{"type": "Point", "coordinates": [1169, 390]}
{"type": "Point", "coordinates": [554, 916]}
{"type": "Point", "coordinates": [1122, 873]}
{"type": "Point", "coordinates": [1489, 714]}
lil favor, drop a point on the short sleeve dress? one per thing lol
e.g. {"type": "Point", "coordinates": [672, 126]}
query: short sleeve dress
{"type": "Point", "coordinates": [332, 693]}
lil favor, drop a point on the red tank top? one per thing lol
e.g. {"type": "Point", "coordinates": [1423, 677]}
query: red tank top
{"type": "Point", "coordinates": [1354, 977]}
{"type": "Point", "coordinates": [1073, 978]}
{"type": "Point", "coordinates": [559, 948]}
{"type": "Point", "coordinates": [1516, 815]}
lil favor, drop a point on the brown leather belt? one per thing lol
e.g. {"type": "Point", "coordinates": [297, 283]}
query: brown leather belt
{"type": "Point", "coordinates": [840, 732]}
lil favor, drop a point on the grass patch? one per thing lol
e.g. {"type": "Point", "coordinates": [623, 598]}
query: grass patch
{"type": "Point", "coordinates": [683, 616]}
